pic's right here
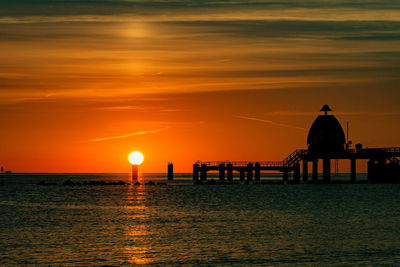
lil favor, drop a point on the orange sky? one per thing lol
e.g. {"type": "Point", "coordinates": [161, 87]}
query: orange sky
{"type": "Point", "coordinates": [82, 85]}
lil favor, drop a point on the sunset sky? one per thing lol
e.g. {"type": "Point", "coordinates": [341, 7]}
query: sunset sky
{"type": "Point", "coordinates": [84, 83]}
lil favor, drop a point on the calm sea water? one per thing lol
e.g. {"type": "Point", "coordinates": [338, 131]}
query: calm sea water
{"type": "Point", "coordinates": [182, 223]}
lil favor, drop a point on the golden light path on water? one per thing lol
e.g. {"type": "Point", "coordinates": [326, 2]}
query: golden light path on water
{"type": "Point", "coordinates": [136, 233]}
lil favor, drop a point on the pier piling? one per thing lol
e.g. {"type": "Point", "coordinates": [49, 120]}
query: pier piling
{"type": "Point", "coordinates": [371, 170]}
{"type": "Point", "coordinates": [353, 170]}
{"type": "Point", "coordinates": [249, 172]}
{"type": "Point", "coordinates": [327, 170]}
{"type": "Point", "coordinates": [203, 172]}
{"type": "Point", "coordinates": [315, 171]}
{"type": "Point", "coordinates": [257, 171]}
{"type": "Point", "coordinates": [195, 172]}
{"type": "Point", "coordinates": [305, 170]}
{"type": "Point", "coordinates": [241, 175]}
{"type": "Point", "coordinates": [285, 176]}
{"type": "Point", "coordinates": [296, 173]}
{"type": "Point", "coordinates": [381, 169]}
{"type": "Point", "coordinates": [229, 172]}
{"type": "Point", "coordinates": [221, 172]}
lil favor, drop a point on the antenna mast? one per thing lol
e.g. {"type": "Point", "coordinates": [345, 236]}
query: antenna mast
{"type": "Point", "coordinates": [347, 131]}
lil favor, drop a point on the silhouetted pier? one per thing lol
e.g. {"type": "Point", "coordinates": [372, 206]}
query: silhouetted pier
{"type": "Point", "coordinates": [326, 141]}
{"type": "Point", "coordinates": [246, 169]}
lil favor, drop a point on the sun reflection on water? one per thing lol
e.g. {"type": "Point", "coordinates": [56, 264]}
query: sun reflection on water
{"type": "Point", "coordinates": [137, 255]}
{"type": "Point", "coordinates": [137, 230]}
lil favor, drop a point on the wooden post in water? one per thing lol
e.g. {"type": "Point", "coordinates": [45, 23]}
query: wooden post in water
{"type": "Point", "coordinates": [170, 171]}
{"type": "Point", "coordinates": [134, 172]}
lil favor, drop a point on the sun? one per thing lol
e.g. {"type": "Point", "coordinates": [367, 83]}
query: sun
{"type": "Point", "coordinates": [136, 158]}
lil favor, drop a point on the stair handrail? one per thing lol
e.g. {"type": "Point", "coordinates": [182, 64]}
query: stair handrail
{"type": "Point", "coordinates": [294, 157]}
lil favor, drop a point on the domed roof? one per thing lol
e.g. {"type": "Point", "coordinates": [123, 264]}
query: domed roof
{"type": "Point", "coordinates": [326, 134]}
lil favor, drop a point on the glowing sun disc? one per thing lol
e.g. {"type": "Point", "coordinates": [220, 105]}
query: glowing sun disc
{"type": "Point", "coordinates": [136, 158]}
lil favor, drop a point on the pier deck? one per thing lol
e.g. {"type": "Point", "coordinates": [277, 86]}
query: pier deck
{"type": "Point", "coordinates": [379, 160]}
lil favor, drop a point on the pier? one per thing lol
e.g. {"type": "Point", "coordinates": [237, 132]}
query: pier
{"type": "Point", "coordinates": [326, 142]}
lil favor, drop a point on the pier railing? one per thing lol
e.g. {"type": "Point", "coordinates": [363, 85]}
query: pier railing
{"type": "Point", "coordinates": [289, 161]}
{"type": "Point", "coordinates": [240, 163]}
{"type": "Point", "coordinates": [299, 154]}
{"type": "Point", "coordinates": [391, 150]}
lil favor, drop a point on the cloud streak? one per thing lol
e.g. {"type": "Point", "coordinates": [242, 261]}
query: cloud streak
{"type": "Point", "coordinates": [345, 113]}
{"type": "Point", "coordinates": [127, 135]}
{"type": "Point", "coordinates": [315, 14]}
{"type": "Point", "coordinates": [122, 108]}
{"type": "Point", "coordinates": [272, 123]}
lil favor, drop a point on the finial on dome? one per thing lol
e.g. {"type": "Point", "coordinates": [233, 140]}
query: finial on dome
{"type": "Point", "coordinates": [326, 108]}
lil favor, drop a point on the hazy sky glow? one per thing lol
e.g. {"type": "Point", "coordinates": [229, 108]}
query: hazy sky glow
{"type": "Point", "coordinates": [83, 83]}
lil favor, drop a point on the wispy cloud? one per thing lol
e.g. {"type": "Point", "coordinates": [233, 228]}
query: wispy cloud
{"type": "Point", "coordinates": [172, 110]}
{"type": "Point", "coordinates": [313, 114]}
{"type": "Point", "coordinates": [119, 108]}
{"type": "Point", "coordinates": [340, 113]}
{"type": "Point", "coordinates": [272, 122]}
{"type": "Point", "coordinates": [128, 135]}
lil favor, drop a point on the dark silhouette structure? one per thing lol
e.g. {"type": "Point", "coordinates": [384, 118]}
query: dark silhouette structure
{"type": "Point", "coordinates": [134, 173]}
{"type": "Point", "coordinates": [326, 141]}
{"type": "Point", "coordinates": [326, 134]}
{"type": "Point", "coordinates": [2, 176]}
{"type": "Point", "coordinates": [170, 171]}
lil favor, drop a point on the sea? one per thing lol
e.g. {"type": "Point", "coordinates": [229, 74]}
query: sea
{"type": "Point", "coordinates": [179, 222]}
